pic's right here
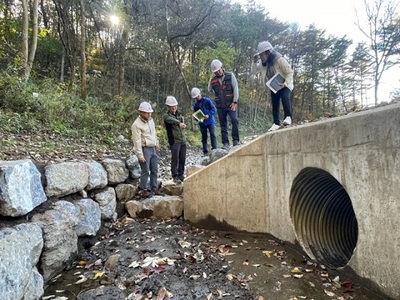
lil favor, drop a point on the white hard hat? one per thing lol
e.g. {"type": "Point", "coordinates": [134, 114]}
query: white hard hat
{"type": "Point", "coordinates": [195, 92]}
{"type": "Point", "coordinates": [215, 65]}
{"type": "Point", "coordinates": [264, 46]}
{"type": "Point", "coordinates": [171, 101]}
{"type": "Point", "coordinates": [145, 107]}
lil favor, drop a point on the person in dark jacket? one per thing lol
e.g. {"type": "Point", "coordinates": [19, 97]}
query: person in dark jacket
{"type": "Point", "coordinates": [175, 126]}
{"type": "Point", "coordinates": [208, 123]}
{"type": "Point", "coordinates": [226, 91]}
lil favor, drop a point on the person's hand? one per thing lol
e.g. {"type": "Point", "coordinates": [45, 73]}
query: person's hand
{"type": "Point", "coordinates": [233, 106]}
{"type": "Point", "coordinates": [142, 159]}
{"type": "Point", "coordinates": [282, 85]}
{"type": "Point", "coordinates": [206, 117]}
{"type": "Point", "coordinates": [182, 125]}
{"type": "Point", "coordinates": [157, 148]}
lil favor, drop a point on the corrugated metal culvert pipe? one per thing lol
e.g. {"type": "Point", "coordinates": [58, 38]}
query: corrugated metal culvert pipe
{"type": "Point", "coordinates": [323, 217]}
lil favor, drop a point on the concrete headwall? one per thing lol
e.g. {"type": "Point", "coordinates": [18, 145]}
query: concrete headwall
{"type": "Point", "coordinates": [332, 186]}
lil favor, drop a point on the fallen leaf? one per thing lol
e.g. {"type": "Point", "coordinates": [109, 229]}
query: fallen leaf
{"type": "Point", "coordinates": [296, 271]}
{"type": "Point", "coordinates": [329, 293]}
{"type": "Point", "coordinates": [134, 264]}
{"type": "Point", "coordinates": [81, 280]}
{"type": "Point", "coordinates": [184, 244]}
{"type": "Point", "coordinates": [267, 253]}
{"type": "Point", "coordinates": [98, 275]}
{"type": "Point", "coordinates": [142, 276]}
{"type": "Point", "coordinates": [348, 286]}
{"type": "Point", "coordinates": [158, 270]}
{"type": "Point", "coordinates": [162, 293]}
{"type": "Point", "coordinates": [82, 262]}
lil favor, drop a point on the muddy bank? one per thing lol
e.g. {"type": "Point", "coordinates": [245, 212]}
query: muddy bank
{"type": "Point", "coordinates": [147, 259]}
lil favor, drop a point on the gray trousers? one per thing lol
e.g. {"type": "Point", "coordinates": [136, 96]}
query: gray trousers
{"type": "Point", "coordinates": [149, 168]}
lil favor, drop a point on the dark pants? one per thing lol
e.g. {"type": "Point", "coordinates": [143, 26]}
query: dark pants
{"type": "Point", "coordinates": [284, 95]}
{"type": "Point", "coordinates": [149, 168]}
{"type": "Point", "coordinates": [223, 122]}
{"type": "Point", "coordinates": [178, 158]}
{"type": "Point", "coordinates": [204, 136]}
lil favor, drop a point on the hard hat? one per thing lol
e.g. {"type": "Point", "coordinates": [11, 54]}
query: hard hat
{"type": "Point", "coordinates": [171, 101]}
{"type": "Point", "coordinates": [145, 107]}
{"type": "Point", "coordinates": [215, 65]}
{"type": "Point", "coordinates": [195, 92]}
{"type": "Point", "coordinates": [264, 46]}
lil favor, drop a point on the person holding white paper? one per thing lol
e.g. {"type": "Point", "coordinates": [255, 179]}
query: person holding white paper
{"type": "Point", "coordinates": [268, 62]}
{"type": "Point", "coordinates": [208, 124]}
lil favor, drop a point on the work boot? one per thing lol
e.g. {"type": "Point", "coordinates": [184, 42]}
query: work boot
{"type": "Point", "coordinates": [144, 194]}
{"type": "Point", "coordinates": [236, 143]}
{"type": "Point", "coordinates": [157, 192]}
{"type": "Point", "coordinates": [225, 146]}
{"type": "Point", "coordinates": [176, 180]}
{"type": "Point", "coordinates": [181, 178]}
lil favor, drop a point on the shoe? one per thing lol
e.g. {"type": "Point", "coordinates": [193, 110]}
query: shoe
{"type": "Point", "coordinates": [181, 178]}
{"type": "Point", "coordinates": [157, 192]}
{"type": "Point", "coordinates": [236, 143]}
{"type": "Point", "coordinates": [176, 180]}
{"type": "Point", "coordinates": [144, 194]}
{"type": "Point", "coordinates": [274, 127]}
{"type": "Point", "coordinates": [225, 146]}
{"type": "Point", "coordinates": [287, 121]}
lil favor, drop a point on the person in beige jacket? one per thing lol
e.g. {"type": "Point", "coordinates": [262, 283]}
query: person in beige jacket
{"type": "Point", "coordinates": [145, 147]}
{"type": "Point", "coordinates": [268, 62]}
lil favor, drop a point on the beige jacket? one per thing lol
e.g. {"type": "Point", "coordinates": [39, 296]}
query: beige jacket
{"type": "Point", "coordinates": [143, 135]}
{"type": "Point", "coordinates": [280, 65]}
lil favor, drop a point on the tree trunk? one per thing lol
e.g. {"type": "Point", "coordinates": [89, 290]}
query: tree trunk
{"type": "Point", "coordinates": [32, 51]}
{"type": "Point", "coordinates": [25, 29]}
{"type": "Point", "coordinates": [121, 61]}
{"type": "Point", "coordinates": [83, 55]}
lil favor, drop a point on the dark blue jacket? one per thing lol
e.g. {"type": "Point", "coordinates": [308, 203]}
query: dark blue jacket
{"type": "Point", "coordinates": [208, 108]}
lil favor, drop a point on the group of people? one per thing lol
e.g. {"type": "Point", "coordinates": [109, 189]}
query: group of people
{"type": "Point", "coordinates": [224, 86]}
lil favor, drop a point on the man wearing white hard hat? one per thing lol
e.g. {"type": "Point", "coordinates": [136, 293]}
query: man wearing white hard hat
{"type": "Point", "coordinates": [225, 88]}
{"type": "Point", "coordinates": [145, 147]}
{"type": "Point", "coordinates": [208, 123]}
{"type": "Point", "coordinates": [268, 62]}
{"type": "Point", "coordinates": [175, 126]}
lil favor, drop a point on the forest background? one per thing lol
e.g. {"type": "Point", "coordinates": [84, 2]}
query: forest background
{"type": "Point", "coordinates": [81, 68]}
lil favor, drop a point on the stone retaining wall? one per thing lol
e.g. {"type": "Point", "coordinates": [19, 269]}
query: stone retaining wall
{"type": "Point", "coordinates": [43, 215]}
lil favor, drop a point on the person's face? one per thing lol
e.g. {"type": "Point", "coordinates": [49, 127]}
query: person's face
{"type": "Point", "coordinates": [264, 56]}
{"type": "Point", "coordinates": [172, 109]}
{"type": "Point", "coordinates": [198, 97]}
{"type": "Point", "coordinates": [219, 72]}
{"type": "Point", "coordinates": [145, 115]}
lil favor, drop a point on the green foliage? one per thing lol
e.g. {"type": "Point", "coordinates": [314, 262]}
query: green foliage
{"type": "Point", "coordinates": [165, 50]}
{"type": "Point", "coordinates": [15, 96]}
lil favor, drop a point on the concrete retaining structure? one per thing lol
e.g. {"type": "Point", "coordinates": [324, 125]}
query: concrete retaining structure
{"type": "Point", "coordinates": [331, 186]}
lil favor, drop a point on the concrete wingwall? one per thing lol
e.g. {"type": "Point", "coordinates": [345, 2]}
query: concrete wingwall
{"type": "Point", "coordinates": [332, 186]}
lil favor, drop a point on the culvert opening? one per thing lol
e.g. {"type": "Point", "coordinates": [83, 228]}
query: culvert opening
{"type": "Point", "coordinates": [323, 217]}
